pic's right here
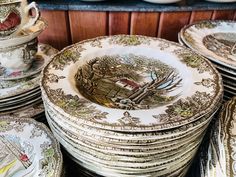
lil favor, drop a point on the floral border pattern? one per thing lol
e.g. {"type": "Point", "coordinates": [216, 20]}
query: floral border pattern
{"type": "Point", "coordinates": [69, 103]}
{"type": "Point", "coordinates": [51, 163]}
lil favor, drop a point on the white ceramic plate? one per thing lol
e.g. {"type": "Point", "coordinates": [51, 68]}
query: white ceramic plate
{"type": "Point", "coordinates": [122, 82]}
{"type": "Point", "coordinates": [20, 88]}
{"type": "Point", "coordinates": [215, 40]}
{"type": "Point", "coordinates": [219, 160]}
{"type": "Point", "coordinates": [20, 96]}
{"type": "Point", "coordinates": [28, 149]}
{"type": "Point", "coordinates": [29, 111]}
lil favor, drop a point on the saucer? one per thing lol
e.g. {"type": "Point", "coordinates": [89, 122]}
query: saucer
{"type": "Point", "coordinates": [42, 57]}
{"type": "Point", "coordinates": [29, 111]}
{"type": "Point", "coordinates": [28, 148]}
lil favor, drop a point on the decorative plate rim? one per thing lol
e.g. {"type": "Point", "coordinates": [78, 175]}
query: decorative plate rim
{"type": "Point", "coordinates": [232, 66]}
{"type": "Point", "coordinates": [46, 130]}
{"type": "Point", "coordinates": [136, 128]}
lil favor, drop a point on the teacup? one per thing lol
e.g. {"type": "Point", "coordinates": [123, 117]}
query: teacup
{"type": "Point", "coordinates": [15, 15]}
{"type": "Point", "coordinates": [18, 58]}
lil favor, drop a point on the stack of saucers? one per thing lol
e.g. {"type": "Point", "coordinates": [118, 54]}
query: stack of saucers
{"type": "Point", "coordinates": [130, 105]}
{"type": "Point", "coordinates": [28, 149]}
{"type": "Point", "coordinates": [219, 159]}
{"type": "Point", "coordinates": [21, 58]}
{"type": "Point", "coordinates": [20, 94]}
{"type": "Point", "coordinates": [215, 40]}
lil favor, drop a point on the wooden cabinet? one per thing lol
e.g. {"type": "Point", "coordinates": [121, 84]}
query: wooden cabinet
{"type": "Point", "coordinates": [67, 27]}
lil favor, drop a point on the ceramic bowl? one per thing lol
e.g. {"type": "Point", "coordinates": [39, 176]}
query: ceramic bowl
{"type": "Point", "coordinates": [130, 82]}
{"type": "Point", "coordinates": [17, 58]}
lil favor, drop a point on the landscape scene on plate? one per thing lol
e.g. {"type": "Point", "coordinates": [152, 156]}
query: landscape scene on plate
{"type": "Point", "coordinates": [222, 44]}
{"type": "Point", "coordinates": [13, 156]}
{"type": "Point", "coordinates": [128, 81]}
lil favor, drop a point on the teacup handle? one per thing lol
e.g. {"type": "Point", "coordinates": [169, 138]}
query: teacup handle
{"type": "Point", "coordinates": [32, 20]}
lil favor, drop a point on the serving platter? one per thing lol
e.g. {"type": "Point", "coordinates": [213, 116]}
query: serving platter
{"type": "Point", "coordinates": [28, 149]}
{"type": "Point", "coordinates": [148, 67]}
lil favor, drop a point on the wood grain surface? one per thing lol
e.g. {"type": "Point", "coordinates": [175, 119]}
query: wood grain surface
{"type": "Point", "coordinates": [86, 24]}
{"type": "Point", "coordinates": [223, 15]}
{"type": "Point", "coordinates": [66, 27]}
{"type": "Point", "coordinates": [200, 15]}
{"type": "Point", "coordinates": [171, 23]}
{"type": "Point", "coordinates": [57, 33]}
{"type": "Point", "coordinates": [144, 23]}
{"type": "Point", "coordinates": [119, 23]}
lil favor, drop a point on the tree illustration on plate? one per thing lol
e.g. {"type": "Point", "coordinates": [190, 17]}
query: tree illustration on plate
{"type": "Point", "coordinates": [128, 82]}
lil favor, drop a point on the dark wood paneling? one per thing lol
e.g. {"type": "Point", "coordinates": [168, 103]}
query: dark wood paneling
{"type": "Point", "coordinates": [144, 23]}
{"type": "Point", "coordinates": [119, 23]}
{"type": "Point", "coordinates": [73, 26]}
{"type": "Point", "coordinates": [223, 15]}
{"type": "Point", "coordinates": [171, 23]}
{"type": "Point", "coordinates": [200, 15]}
{"type": "Point", "coordinates": [85, 25]}
{"type": "Point", "coordinates": [57, 33]}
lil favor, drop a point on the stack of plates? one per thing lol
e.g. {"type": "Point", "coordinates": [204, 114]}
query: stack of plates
{"type": "Point", "coordinates": [20, 94]}
{"type": "Point", "coordinates": [28, 149]}
{"type": "Point", "coordinates": [130, 105]}
{"type": "Point", "coordinates": [219, 160]}
{"type": "Point", "coordinates": [215, 40]}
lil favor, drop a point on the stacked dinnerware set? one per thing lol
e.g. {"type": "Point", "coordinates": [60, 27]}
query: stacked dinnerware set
{"type": "Point", "coordinates": [219, 159]}
{"type": "Point", "coordinates": [21, 59]}
{"type": "Point", "coordinates": [28, 148]}
{"type": "Point", "coordinates": [215, 40]}
{"type": "Point", "coordinates": [123, 105]}
{"type": "Point", "coordinates": [130, 105]}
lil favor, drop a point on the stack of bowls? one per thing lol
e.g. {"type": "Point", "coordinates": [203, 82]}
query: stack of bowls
{"type": "Point", "coordinates": [21, 58]}
{"type": "Point", "coordinates": [215, 40]}
{"type": "Point", "coordinates": [130, 105]}
{"type": "Point", "coordinates": [219, 158]}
